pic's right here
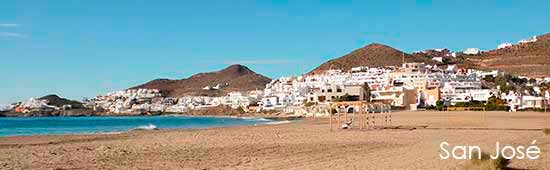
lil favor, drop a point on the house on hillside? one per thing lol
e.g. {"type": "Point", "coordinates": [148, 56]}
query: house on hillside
{"type": "Point", "coordinates": [530, 40]}
{"type": "Point", "coordinates": [472, 51]}
{"type": "Point", "coordinates": [438, 59]}
{"type": "Point", "coordinates": [504, 45]}
{"type": "Point", "coordinates": [464, 91]}
{"type": "Point", "coordinates": [397, 96]}
{"type": "Point", "coordinates": [332, 92]}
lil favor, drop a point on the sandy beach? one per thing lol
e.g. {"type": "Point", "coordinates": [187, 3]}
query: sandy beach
{"type": "Point", "coordinates": [303, 144]}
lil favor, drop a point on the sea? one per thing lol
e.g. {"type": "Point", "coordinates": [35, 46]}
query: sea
{"type": "Point", "coordinates": [27, 126]}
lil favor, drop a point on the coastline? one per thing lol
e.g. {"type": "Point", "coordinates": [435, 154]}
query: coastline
{"type": "Point", "coordinates": [102, 114]}
{"type": "Point", "coordinates": [7, 141]}
{"type": "Point", "coordinates": [145, 125]}
{"type": "Point", "coordinates": [306, 144]}
{"type": "Point", "coordinates": [220, 111]}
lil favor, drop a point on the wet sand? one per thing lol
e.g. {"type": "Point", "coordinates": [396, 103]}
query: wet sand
{"type": "Point", "coordinates": [304, 144]}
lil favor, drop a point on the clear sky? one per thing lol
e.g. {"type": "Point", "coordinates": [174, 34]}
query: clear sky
{"type": "Point", "coordinates": [78, 49]}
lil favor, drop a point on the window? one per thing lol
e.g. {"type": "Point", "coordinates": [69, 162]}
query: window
{"type": "Point", "coordinates": [323, 90]}
{"type": "Point", "coordinates": [339, 90]}
{"type": "Point", "coordinates": [329, 90]}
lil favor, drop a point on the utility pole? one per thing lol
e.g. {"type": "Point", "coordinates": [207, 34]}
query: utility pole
{"type": "Point", "coordinates": [546, 102]}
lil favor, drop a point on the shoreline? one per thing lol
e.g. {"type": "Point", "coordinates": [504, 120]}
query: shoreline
{"type": "Point", "coordinates": [262, 121]}
{"type": "Point", "coordinates": [5, 140]}
{"type": "Point", "coordinates": [246, 114]}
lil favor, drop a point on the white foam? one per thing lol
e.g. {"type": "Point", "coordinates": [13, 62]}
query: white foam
{"type": "Point", "coordinates": [146, 127]}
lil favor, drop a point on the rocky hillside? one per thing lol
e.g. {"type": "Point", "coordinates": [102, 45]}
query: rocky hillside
{"type": "Point", "coordinates": [232, 78]}
{"type": "Point", "coordinates": [54, 100]}
{"type": "Point", "coordinates": [528, 59]}
{"type": "Point", "coordinates": [372, 55]}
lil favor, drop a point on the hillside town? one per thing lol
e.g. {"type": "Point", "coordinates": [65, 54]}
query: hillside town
{"type": "Point", "coordinates": [411, 86]}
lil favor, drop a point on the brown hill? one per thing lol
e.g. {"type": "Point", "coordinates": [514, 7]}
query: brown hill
{"type": "Point", "coordinates": [529, 59]}
{"type": "Point", "coordinates": [55, 100]}
{"type": "Point", "coordinates": [372, 55]}
{"type": "Point", "coordinates": [232, 78]}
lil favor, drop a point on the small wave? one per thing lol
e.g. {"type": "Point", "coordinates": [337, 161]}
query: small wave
{"type": "Point", "coordinates": [174, 115]}
{"type": "Point", "coordinates": [263, 120]}
{"type": "Point", "coordinates": [256, 119]}
{"type": "Point", "coordinates": [146, 127]}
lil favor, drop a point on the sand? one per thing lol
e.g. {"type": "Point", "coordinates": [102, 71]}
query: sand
{"type": "Point", "coordinates": [305, 144]}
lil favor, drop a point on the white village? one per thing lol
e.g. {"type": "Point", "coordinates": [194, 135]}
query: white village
{"type": "Point", "coordinates": [411, 86]}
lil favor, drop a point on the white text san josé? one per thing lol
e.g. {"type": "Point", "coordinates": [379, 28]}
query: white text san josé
{"type": "Point", "coordinates": [508, 152]}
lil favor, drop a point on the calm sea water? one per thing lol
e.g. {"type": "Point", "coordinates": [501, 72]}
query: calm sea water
{"type": "Point", "coordinates": [23, 126]}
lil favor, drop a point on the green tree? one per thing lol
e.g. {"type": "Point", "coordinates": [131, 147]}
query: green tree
{"type": "Point", "coordinates": [532, 81]}
{"type": "Point", "coordinates": [345, 97]}
{"type": "Point", "coordinates": [309, 104]}
{"type": "Point", "coordinates": [241, 110]}
{"type": "Point", "coordinates": [501, 80]}
{"type": "Point", "coordinates": [494, 103]}
{"type": "Point", "coordinates": [439, 105]}
{"type": "Point", "coordinates": [529, 89]}
{"type": "Point", "coordinates": [489, 78]}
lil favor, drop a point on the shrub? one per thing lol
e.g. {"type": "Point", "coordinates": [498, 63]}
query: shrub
{"type": "Point", "coordinates": [501, 162]}
{"type": "Point", "coordinates": [484, 157]}
{"type": "Point", "coordinates": [430, 107]}
{"type": "Point", "coordinates": [496, 108]}
{"type": "Point", "coordinates": [486, 163]}
{"type": "Point", "coordinates": [309, 104]}
{"type": "Point", "coordinates": [494, 104]}
{"type": "Point", "coordinates": [345, 97]}
{"type": "Point", "coordinates": [241, 110]}
{"type": "Point", "coordinates": [439, 105]}
{"type": "Point", "coordinates": [462, 104]}
{"type": "Point", "coordinates": [469, 104]}
{"type": "Point", "coordinates": [489, 78]}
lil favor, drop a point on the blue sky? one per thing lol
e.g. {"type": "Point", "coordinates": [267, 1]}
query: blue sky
{"type": "Point", "coordinates": [83, 48]}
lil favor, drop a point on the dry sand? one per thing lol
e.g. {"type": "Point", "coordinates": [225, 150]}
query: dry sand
{"type": "Point", "coordinates": [305, 144]}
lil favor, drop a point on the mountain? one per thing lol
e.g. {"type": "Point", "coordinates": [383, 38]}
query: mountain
{"type": "Point", "coordinates": [528, 59]}
{"type": "Point", "coordinates": [372, 55]}
{"type": "Point", "coordinates": [233, 78]}
{"type": "Point", "coordinates": [55, 100]}
{"type": "Point", "coordinates": [524, 59]}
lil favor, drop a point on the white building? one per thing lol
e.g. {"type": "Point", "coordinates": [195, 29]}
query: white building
{"type": "Point", "coordinates": [464, 91]}
{"type": "Point", "coordinates": [237, 99]}
{"type": "Point", "coordinates": [530, 40]}
{"type": "Point", "coordinates": [332, 92]}
{"type": "Point", "coordinates": [438, 59]}
{"type": "Point", "coordinates": [472, 51]}
{"type": "Point", "coordinates": [504, 45]}
{"type": "Point", "coordinates": [531, 102]}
